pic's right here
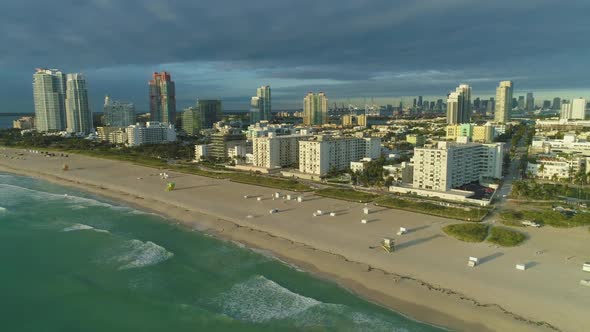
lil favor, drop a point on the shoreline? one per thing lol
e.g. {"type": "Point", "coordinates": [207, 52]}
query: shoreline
{"type": "Point", "coordinates": [442, 307]}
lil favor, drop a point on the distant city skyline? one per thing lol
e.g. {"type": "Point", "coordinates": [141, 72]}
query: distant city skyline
{"type": "Point", "coordinates": [385, 50]}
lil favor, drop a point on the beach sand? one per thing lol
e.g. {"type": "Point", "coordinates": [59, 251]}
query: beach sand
{"type": "Point", "coordinates": [427, 278]}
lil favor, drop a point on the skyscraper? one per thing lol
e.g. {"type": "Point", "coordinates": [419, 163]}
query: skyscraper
{"type": "Point", "coordinates": [556, 103]}
{"type": "Point", "coordinates": [118, 114]}
{"type": "Point", "coordinates": [49, 89]}
{"type": "Point", "coordinates": [578, 109]}
{"type": "Point", "coordinates": [260, 105]}
{"type": "Point", "coordinates": [521, 103]}
{"type": "Point", "coordinates": [530, 102]}
{"type": "Point", "coordinates": [78, 115]}
{"type": "Point", "coordinates": [503, 102]}
{"type": "Point", "coordinates": [459, 105]}
{"type": "Point", "coordinates": [162, 98]}
{"type": "Point", "coordinates": [210, 111]}
{"type": "Point", "coordinates": [315, 109]}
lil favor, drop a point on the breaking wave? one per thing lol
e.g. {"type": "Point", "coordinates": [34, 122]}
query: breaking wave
{"type": "Point", "coordinates": [260, 300]}
{"type": "Point", "coordinates": [83, 227]}
{"type": "Point", "coordinates": [140, 254]}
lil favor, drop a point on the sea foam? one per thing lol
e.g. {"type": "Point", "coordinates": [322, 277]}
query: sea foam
{"type": "Point", "coordinates": [259, 299]}
{"type": "Point", "coordinates": [83, 227]}
{"type": "Point", "coordinates": [140, 254]}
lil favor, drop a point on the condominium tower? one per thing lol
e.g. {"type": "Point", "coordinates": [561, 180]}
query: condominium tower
{"type": "Point", "coordinates": [503, 102]}
{"type": "Point", "coordinates": [450, 165]}
{"type": "Point", "coordinates": [459, 105]}
{"type": "Point", "coordinates": [118, 114]}
{"type": "Point", "coordinates": [261, 105]}
{"type": "Point", "coordinates": [49, 90]}
{"type": "Point", "coordinates": [315, 109]}
{"type": "Point", "coordinates": [78, 115]}
{"type": "Point", "coordinates": [162, 98]}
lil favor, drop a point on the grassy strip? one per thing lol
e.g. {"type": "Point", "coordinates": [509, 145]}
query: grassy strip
{"type": "Point", "coordinates": [506, 237]}
{"type": "Point", "coordinates": [545, 217]}
{"type": "Point", "coordinates": [468, 232]}
{"type": "Point", "coordinates": [265, 181]}
{"type": "Point", "coordinates": [467, 214]}
{"type": "Point", "coordinates": [347, 195]}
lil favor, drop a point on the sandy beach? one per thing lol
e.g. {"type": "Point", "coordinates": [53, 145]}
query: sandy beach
{"type": "Point", "coordinates": [427, 278]}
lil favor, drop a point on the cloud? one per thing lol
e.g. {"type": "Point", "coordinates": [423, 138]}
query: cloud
{"type": "Point", "coordinates": [346, 47]}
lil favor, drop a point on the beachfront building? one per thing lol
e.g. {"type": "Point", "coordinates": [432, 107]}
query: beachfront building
{"type": "Point", "coordinates": [556, 167]}
{"type": "Point", "coordinates": [150, 133]}
{"type": "Point", "coordinates": [201, 152]}
{"type": "Point", "coordinates": [449, 165]}
{"type": "Point", "coordinates": [78, 115]}
{"type": "Point", "coordinates": [224, 141]}
{"type": "Point", "coordinates": [117, 113]}
{"type": "Point", "coordinates": [503, 102]}
{"type": "Point", "coordinates": [315, 109]}
{"type": "Point", "coordinates": [162, 98]}
{"type": "Point", "coordinates": [49, 93]}
{"type": "Point", "coordinates": [322, 153]}
{"type": "Point", "coordinates": [459, 105]}
{"type": "Point", "coordinates": [482, 134]}
{"type": "Point", "coordinates": [23, 123]}
{"type": "Point", "coordinates": [275, 151]}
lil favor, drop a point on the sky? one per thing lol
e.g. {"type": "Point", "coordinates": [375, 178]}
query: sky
{"type": "Point", "coordinates": [352, 50]}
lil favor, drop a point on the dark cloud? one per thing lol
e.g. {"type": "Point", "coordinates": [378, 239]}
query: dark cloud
{"type": "Point", "coordinates": [346, 47]}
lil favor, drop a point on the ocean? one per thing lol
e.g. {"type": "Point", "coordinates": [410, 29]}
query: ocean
{"type": "Point", "coordinates": [74, 262]}
{"type": "Point", "coordinates": [6, 121]}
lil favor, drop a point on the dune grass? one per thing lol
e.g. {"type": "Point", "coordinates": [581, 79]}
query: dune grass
{"type": "Point", "coordinates": [468, 232]}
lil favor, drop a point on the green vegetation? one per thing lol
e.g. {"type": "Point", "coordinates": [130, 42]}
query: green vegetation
{"type": "Point", "coordinates": [372, 174]}
{"type": "Point", "coordinates": [347, 194]}
{"type": "Point", "coordinates": [265, 181]}
{"type": "Point", "coordinates": [468, 232]}
{"type": "Point", "coordinates": [549, 191]}
{"type": "Point", "coordinates": [506, 237]}
{"type": "Point", "coordinates": [546, 217]}
{"type": "Point", "coordinates": [435, 209]}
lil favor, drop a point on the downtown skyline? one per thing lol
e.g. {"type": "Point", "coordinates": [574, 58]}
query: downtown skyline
{"type": "Point", "coordinates": [378, 50]}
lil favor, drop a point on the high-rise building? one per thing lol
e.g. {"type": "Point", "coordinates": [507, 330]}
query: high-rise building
{"type": "Point", "coordinates": [578, 109]}
{"type": "Point", "coordinates": [211, 111]}
{"type": "Point", "coordinates": [556, 103]}
{"type": "Point", "coordinates": [530, 102]}
{"type": "Point", "coordinates": [260, 105]}
{"type": "Point", "coordinates": [49, 91]}
{"type": "Point", "coordinates": [78, 115]}
{"type": "Point", "coordinates": [315, 109]}
{"type": "Point", "coordinates": [118, 114]}
{"type": "Point", "coordinates": [322, 153]}
{"type": "Point", "coordinates": [521, 103]}
{"type": "Point", "coordinates": [503, 102]}
{"type": "Point", "coordinates": [546, 104]}
{"type": "Point", "coordinates": [451, 165]}
{"type": "Point", "coordinates": [162, 98]}
{"type": "Point", "coordinates": [459, 105]}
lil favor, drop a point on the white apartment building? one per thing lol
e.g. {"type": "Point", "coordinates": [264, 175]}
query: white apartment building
{"type": "Point", "coordinates": [151, 133]}
{"type": "Point", "coordinates": [569, 144]}
{"type": "Point", "coordinates": [321, 153]}
{"type": "Point", "coordinates": [201, 151]}
{"type": "Point", "coordinates": [276, 151]}
{"type": "Point", "coordinates": [555, 167]}
{"type": "Point", "coordinates": [450, 165]}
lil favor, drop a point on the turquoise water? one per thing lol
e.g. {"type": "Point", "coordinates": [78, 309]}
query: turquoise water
{"type": "Point", "coordinates": [72, 262]}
